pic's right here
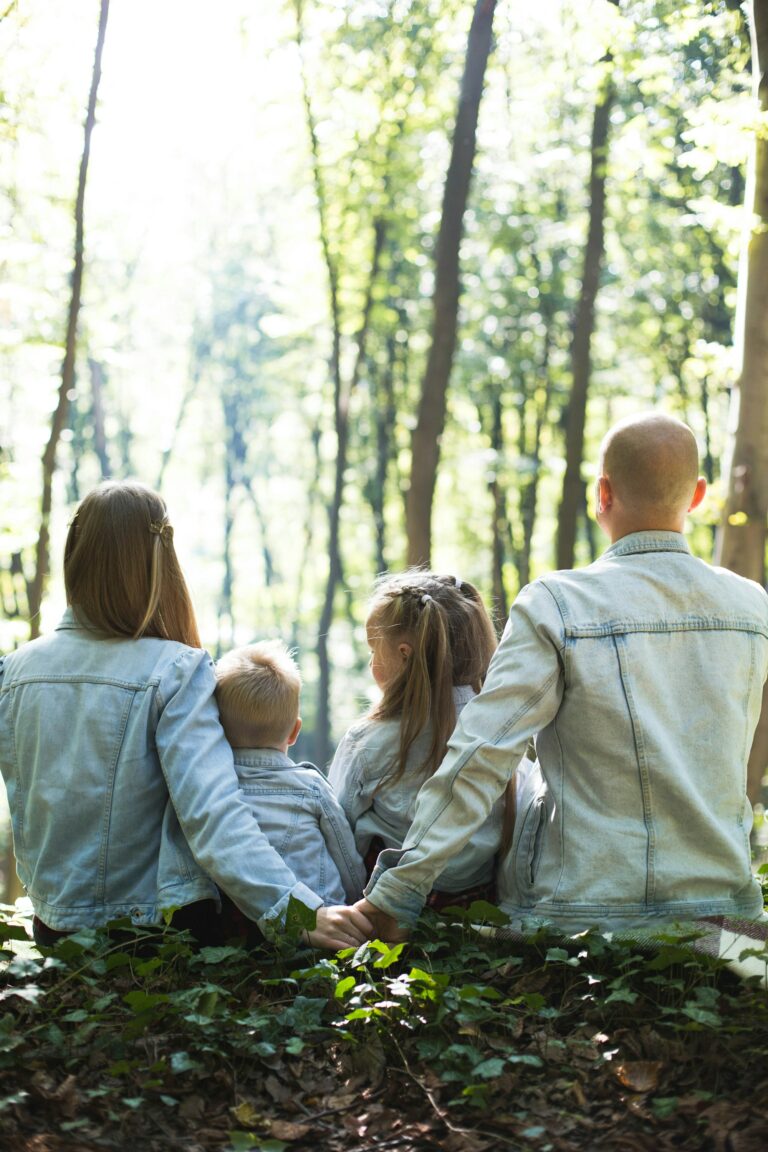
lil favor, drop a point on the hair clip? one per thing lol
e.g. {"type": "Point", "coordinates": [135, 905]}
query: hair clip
{"type": "Point", "coordinates": [162, 529]}
{"type": "Point", "coordinates": [458, 581]}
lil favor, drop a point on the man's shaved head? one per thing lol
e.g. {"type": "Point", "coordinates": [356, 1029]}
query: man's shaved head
{"type": "Point", "coordinates": [652, 463]}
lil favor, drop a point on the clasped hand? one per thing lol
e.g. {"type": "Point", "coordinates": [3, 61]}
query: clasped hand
{"type": "Point", "coordinates": [341, 926]}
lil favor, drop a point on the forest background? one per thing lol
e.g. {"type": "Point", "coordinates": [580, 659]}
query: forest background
{"type": "Point", "coordinates": [235, 292]}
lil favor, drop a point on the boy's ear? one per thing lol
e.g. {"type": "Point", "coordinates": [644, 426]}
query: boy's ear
{"type": "Point", "coordinates": [295, 732]}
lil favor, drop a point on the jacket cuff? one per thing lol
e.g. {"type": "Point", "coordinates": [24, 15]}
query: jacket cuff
{"type": "Point", "coordinates": [397, 899]}
{"type": "Point", "coordinates": [273, 921]}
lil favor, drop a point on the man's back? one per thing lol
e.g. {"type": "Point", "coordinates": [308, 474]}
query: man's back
{"type": "Point", "coordinates": [662, 663]}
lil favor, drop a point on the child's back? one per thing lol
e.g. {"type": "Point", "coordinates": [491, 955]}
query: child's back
{"type": "Point", "coordinates": [258, 695]}
{"type": "Point", "coordinates": [431, 640]}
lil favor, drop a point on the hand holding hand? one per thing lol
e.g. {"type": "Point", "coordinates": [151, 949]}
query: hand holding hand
{"type": "Point", "coordinates": [340, 927]}
{"type": "Point", "coordinates": [384, 927]}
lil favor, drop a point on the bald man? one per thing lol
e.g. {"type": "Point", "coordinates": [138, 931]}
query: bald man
{"type": "Point", "coordinates": [641, 679]}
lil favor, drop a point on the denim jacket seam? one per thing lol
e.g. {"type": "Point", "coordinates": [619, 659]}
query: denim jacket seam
{"type": "Point", "coordinates": [642, 771]}
{"type": "Point", "coordinates": [109, 793]}
{"type": "Point", "coordinates": [331, 816]}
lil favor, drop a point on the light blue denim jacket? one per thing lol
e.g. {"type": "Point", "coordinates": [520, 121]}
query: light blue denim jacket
{"type": "Point", "coordinates": [642, 675]}
{"type": "Point", "coordinates": [302, 819]}
{"type": "Point", "coordinates": [365, 757]}
{"type": "Point", "coordinates": [121, 785]}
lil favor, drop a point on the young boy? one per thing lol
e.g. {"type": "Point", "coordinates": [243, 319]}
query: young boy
{"type": "Point", "coordinates": [258, 696]}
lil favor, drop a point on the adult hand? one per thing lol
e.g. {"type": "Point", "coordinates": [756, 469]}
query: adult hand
{"type": "Point", "coordinates": [385, 927]}
{"type": "Point", "coordinates": [339, 926]}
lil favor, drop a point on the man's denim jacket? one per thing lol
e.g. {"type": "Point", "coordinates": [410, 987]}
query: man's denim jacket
{"type": "Point", "coordinates": [122, 788]}
{"type": "Point", "coordinates": [642, 677]}
{"type": "Point", "coordinates": [302, 819]}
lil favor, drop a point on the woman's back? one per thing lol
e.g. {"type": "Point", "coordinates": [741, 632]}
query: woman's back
{"type": "Point", "coordinates": [81, 719]}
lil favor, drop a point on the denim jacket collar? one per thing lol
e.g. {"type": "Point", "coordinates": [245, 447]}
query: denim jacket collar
{"type": "Point", "coordinates": [68, 620]}
{"type": "Point", "coordinates": [262, 758]}
{"type": "Point", "coordinates": [637, 542]}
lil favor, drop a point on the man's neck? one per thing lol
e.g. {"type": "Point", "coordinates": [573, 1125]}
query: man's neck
{"type": "Point", "coordinates": [618, 532]}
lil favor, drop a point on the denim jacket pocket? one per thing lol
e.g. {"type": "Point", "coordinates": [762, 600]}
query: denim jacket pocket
{"type": "Point", "coordinates": [531, 839]}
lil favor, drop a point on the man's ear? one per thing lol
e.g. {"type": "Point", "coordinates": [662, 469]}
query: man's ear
{"type": "Point", "coordinates": [295, 732]}
{"type": "Point", "coordinates": [698, 495]}
{"type": "Point", "coordinates": [604, 495]}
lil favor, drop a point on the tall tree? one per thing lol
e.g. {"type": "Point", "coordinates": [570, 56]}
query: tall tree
{"type": "Point", "coordinates": [425, 442]}
{"type": "Point", "coordinates": [742, 536]}
{"type": "Point", "coordinates": [572, 501]}
{"type": "Point", "coordinates": [58, 421]}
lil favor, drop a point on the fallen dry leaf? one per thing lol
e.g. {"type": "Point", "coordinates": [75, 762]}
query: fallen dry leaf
{"type": "Point", "coordinates": [639, 1075]}
{"type": "Point", "coordinates": [287, 1130]}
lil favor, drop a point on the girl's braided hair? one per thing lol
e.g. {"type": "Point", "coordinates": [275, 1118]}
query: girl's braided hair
{"type": "Point", "coordinates": [448, 628]}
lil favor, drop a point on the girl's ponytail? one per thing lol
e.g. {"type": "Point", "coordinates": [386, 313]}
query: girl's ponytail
{"type": "Point", "coordinates": [444, 622]}
{"type": "Point", "coordinates": [428, 693]}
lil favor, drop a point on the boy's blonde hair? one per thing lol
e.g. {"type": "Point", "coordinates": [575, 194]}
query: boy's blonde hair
{"type": "Point", "coordinates": [121, 572]}
{"type": "Point", "coordinates": [258, 694]}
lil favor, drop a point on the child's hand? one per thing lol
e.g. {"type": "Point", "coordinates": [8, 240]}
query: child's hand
{"type": "Point", "coordinates": [384, 927]}
{"type": "Point", "coordinates": [340, 927]}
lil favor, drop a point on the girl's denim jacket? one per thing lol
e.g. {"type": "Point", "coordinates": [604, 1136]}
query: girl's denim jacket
{"type": "Point", "coordinates": [122, 788]}
{"type": "Point", "coordinates": [642, 678]}
{"type": "Point", "coordinates": [380, 810]}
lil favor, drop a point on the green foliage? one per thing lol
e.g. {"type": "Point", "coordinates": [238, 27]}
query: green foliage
{"type": "Point", "coordinates": [458, 1030]}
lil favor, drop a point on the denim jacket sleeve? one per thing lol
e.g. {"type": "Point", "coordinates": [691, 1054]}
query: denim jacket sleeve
{"type": "Point", "coordinates": [521, 695]}
{"type": "Point", "coordinates": [348, 778]}
{"type": "Point", "coordinates": [340, 841]}
{"type": "Point", "coordinates": [218, 824]}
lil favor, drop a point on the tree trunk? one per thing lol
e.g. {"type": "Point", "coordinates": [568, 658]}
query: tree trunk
{"type": "Point", "coordinates": [42, 559]}
{"type": "Point", "coordinates": [500, 525]}
{"type": "Point", "coordinates": [384, 417]}
{"type": "Point", "coordinates": [742, 536]}
{"type": "Point", "coordinates": [343, 398]}
{"type": "Point", "coordinates": [425, 442]}
{"type": "Point", "coordinates": [572, 500]}
{"type": "Point", "coordinates": [97, 402]}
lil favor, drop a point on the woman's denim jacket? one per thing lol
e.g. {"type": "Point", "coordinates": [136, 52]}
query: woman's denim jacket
{"type": "Point", "coordinates": [642, 677]}
{"type": "Point", "coordinates": [122, 789]}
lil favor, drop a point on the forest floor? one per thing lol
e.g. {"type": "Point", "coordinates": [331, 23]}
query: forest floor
{"type": "Point", "coordinates": [454, 1041]}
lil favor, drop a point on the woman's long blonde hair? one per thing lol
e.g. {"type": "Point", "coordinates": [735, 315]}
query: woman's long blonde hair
{"type": "Point", "coordinates": [121, 572]}
{"type": "Point", "coordinates": [448, 628]}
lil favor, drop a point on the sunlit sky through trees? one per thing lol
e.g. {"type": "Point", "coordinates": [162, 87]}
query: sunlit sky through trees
{"type": "Point", "coordinates": [204, 267]}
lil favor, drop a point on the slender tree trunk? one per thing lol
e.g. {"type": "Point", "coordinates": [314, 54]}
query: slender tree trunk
{"type": "Point", "coordinates": [572, 500]}
{"type": "Point", "coordinates": [42, 558]}
{"type": "Point", "coordinates": [425, 443]}
{"type": "Point", "coordinates": [742, 537]}
{"type": "Point", "coordinates": [500, 525]}
{"type": "Point", "coordinates": [97, 404]}
{"type": "Point", "coordinates": [343, 399]}
{"type": "Point", "coordinates": [384, 418]}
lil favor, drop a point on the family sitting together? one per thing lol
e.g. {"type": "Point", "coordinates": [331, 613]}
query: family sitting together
{"type": "Point", "coordinates": [141, 778]}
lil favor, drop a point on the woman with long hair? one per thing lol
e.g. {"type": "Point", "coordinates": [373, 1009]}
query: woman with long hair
{"type": "Point", "coordinates": [122, 789]}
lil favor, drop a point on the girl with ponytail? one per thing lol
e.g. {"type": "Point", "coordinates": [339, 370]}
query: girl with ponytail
{"type": "Point", "coordinates": [431, 641]}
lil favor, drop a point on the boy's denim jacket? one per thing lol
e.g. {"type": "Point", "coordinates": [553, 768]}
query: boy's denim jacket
{"type": "Point", "coordinates": [365, 757]}
{"type": "Point", "coordinates": [302, 819]}
{"type": "Point", "coordinates": [642, 675]}
{"type": "Point", "coordinates": [122, 789]}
